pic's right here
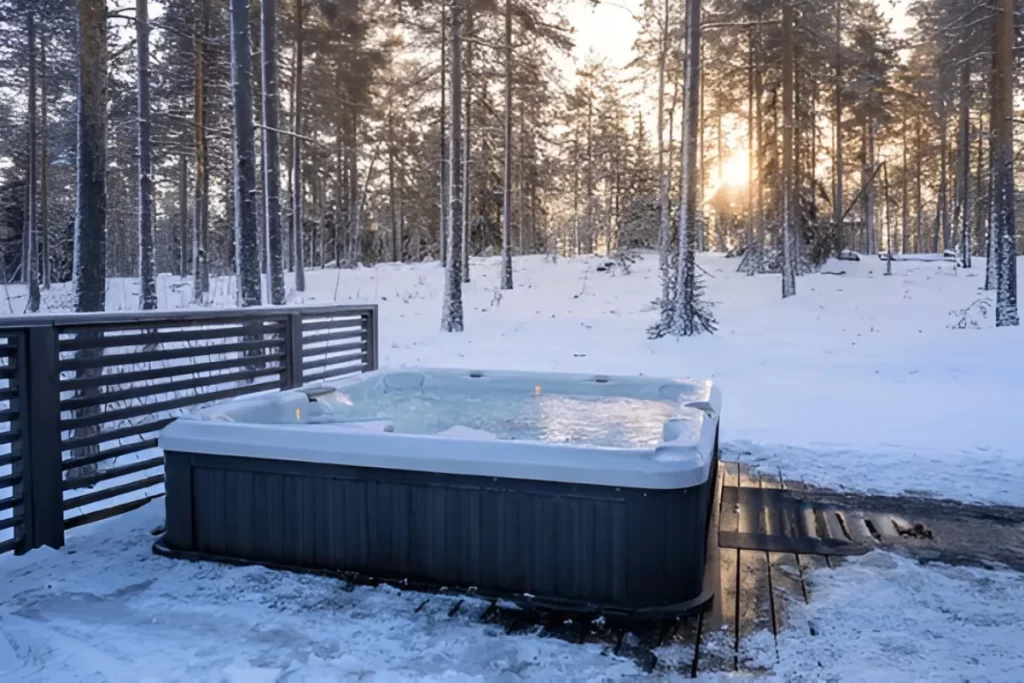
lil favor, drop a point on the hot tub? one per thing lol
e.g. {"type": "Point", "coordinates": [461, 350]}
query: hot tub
{"type": "Point", "coordinates": [574, 492]}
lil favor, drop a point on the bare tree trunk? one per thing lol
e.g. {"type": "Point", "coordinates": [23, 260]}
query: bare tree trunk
{"type": "Point", "coordinates": [701, 228]}
{"type": "Point", "coordinates": [575, 191]}
{"type": "Point", "coordinates": [759, 227]}
{"type": "Point", "coordinates": [354, 251]}
{"type": "Point", "coordinates": [201, 219]}
{"type": "Point", "coordinates": [341, 209]}
{"type": "Point", "coordinates": [861, 240]}
{"type": "Point", "coordinates": [147, 262]}
{"type": "Point", "coordinates": [720, 236]}
{"type": "Point", "coordinates": [506, 227]}
{"type": "Point", "coordinates": [298, 189]}
{"type": "Point", "coordinates": [467, 223]}
{"type": "Point", "coordinates": [992, 247]}
{"type": "Point", "coordinates": [392, 191]}
{"type": "Point", "coordinates": [271, 160]}
{"type": "Point", "coordinates": [888, 219]}
{"type": "Point", "coordinates": [838, 207]}
{"type": "Point", "coordinates": [443, 124]}
{"type": "Point", "coordinates": [1002, 127]}
{"type": "Point", "coordinates": [43, 239]}
{"type": "Point", "coordinates": [589, 208]}
{"type": "Point", "coordinates": [963, 171]}
{"type": "Point", "coordinates": [663, 177]}
{"type": "Point", "coordinates": [905, 204]}
{"type": "Point", "coordinates": [788, 200]}
{"type": "Point", "coordinates": [943, 180]}
{"type": "Point", "coordinates": [451, 315]}
{"type": "Point", "coordinates": [919, 206]}
{"type": "Point", "coordinates": [979, 187]}
{"type": "Point", "coordinates": [31, 263]}
{"type": "Point", "coordinates": [751, 140]}
{"type": "Point", "coordinates": [91, 202]}
{"type": "Point", "coordinates": [183, 260]}
{"type": "Point", "coordinates": [316, 247]}
{"type": "Point", "coordinates": [520, 216]}
{"type": "Point", "coordinates": [247, 250]}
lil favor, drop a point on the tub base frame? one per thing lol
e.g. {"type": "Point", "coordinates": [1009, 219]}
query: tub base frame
{"type": "Point", "coordinates": [576, 549]}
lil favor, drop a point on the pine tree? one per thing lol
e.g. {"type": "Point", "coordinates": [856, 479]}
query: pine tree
{"type": "Point", "coordinates": [451, 314]}
{"type": "Point", "coordinates": [91, 210]}
{"type": "Point", "coordinates": [686, 313]}
{"type": "Point", "coordinates": [1002, 159]}
{"type": "Point", "coordinates": [506, 222]}
{"type": "Point", "coordinates": [31, 262]}
{"type": "Point", "coordinates": [298, 188]}
{"type": "Point", "coordinates": [271, 162]}
{"type": "Point", "coordinates": [788, 199]}
{"type": "Point", "coordinates": [147, 263]}
{"type": "Point", "coordinates": [247, 257]}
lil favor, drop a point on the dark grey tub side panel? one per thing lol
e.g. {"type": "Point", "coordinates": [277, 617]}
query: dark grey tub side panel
{"type": "Point", "coordinates": [585, 543]}
{"type": "Point", "coordinates": [179, 506]}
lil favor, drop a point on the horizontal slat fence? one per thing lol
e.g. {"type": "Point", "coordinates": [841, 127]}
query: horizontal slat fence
{"type": "Point", "coordinates": [82, 398]}
{"type": "Point", "coordinates": [11, 513]}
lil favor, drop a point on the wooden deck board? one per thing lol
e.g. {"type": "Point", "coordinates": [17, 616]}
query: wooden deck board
{"type": "Point", "coordinates": [717, 627]}
{"type": "Point", "coordinates": [686, 635]}
{"type": "Point", "coordinates": [754, 615]}
{"type": "Point", "coordinates": [786, 572]}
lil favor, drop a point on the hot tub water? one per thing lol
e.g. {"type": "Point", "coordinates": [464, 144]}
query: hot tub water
{"type": "Point", "coordinates": [605, 421]}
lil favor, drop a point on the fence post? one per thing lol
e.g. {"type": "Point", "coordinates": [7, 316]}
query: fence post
{"type": "Point", "coordinates": [39, 395]}
{"type": "Point", "coordinates": [369, 325]}
{"type": "Point", "coordinates": [293, 351]}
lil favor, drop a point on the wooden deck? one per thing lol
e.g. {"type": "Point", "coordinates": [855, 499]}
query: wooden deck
{"type": "Point", "coordinates": [756, 591]}
{"type": "Point", "coordinates": [754, 595]}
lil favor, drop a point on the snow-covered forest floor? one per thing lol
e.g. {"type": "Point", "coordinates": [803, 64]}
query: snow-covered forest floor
{"type": "Point", "coordinates": [858, 382]}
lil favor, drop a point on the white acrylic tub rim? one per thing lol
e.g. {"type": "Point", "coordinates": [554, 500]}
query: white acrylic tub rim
{"type": "Point", "coordinates": [683, 462]}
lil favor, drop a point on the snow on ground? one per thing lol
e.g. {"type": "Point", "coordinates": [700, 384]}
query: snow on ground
{"type": "Point", "coordinates": [107, 609]}
{"type": "Point", "coordinates": [857, 382]}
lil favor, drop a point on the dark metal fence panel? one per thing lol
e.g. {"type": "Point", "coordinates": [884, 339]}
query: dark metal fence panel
{"type": "Point", "coordinates": [91, 392]}
{"type": "Point", "coordinates": [338, 343]}
{"type": "Point", "coordinates": [11, 513]}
